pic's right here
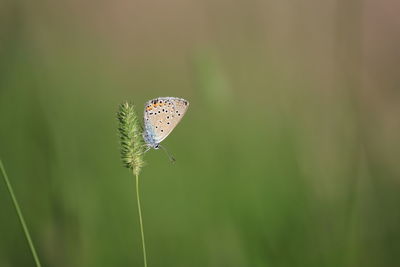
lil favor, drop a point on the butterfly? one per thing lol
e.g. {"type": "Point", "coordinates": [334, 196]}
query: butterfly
{"type": "Point", "coordinates": [161, 115]}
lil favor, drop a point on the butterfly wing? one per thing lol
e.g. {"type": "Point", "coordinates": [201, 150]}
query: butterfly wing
{"type": "Point", "coordinates": [161, 115]}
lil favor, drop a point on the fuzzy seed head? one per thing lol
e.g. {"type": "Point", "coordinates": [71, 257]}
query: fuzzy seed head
{"type": "Point", "coordinates": [130, 133]}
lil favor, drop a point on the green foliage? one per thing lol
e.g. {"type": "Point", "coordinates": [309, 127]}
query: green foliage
{"type": "Point", "coordinates": [288, 156]}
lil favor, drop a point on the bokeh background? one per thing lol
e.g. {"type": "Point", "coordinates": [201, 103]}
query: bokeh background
{"type": "Point", "coordinates": [288, 155]}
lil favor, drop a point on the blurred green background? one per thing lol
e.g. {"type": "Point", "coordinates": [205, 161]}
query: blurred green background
{"type": "Point", "coordinates": [288, 155]}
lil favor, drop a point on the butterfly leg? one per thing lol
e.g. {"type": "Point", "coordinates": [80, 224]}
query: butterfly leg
{"type": "Point", "coordinates": [148, 147]}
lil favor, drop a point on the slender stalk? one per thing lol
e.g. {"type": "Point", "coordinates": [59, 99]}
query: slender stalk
{"type": "Point", "coordinates": [141, 220]}
{"type": "Point", "coordinates": [133, 148]}
{"type": "Point", "coordinates": [20, 216]}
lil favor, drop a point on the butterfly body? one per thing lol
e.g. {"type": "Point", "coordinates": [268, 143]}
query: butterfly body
{"type": "Point", "coordinates": [161, 115]}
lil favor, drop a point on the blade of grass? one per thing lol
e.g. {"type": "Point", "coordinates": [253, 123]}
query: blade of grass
{"type": "Point", "coordinates": [19, 213]}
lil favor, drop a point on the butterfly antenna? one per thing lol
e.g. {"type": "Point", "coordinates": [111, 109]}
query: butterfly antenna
{"type": "Point", "coordinates": [170, 157]}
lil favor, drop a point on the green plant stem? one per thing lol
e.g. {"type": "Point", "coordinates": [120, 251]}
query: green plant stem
{"type": "Point", "coordinates": [141, 220]}
{"type": "Point", "coordinates": [19, 213]}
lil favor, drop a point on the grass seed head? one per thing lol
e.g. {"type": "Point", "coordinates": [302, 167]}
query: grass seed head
{"type": "Point", "coordinates": [131, 138]}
